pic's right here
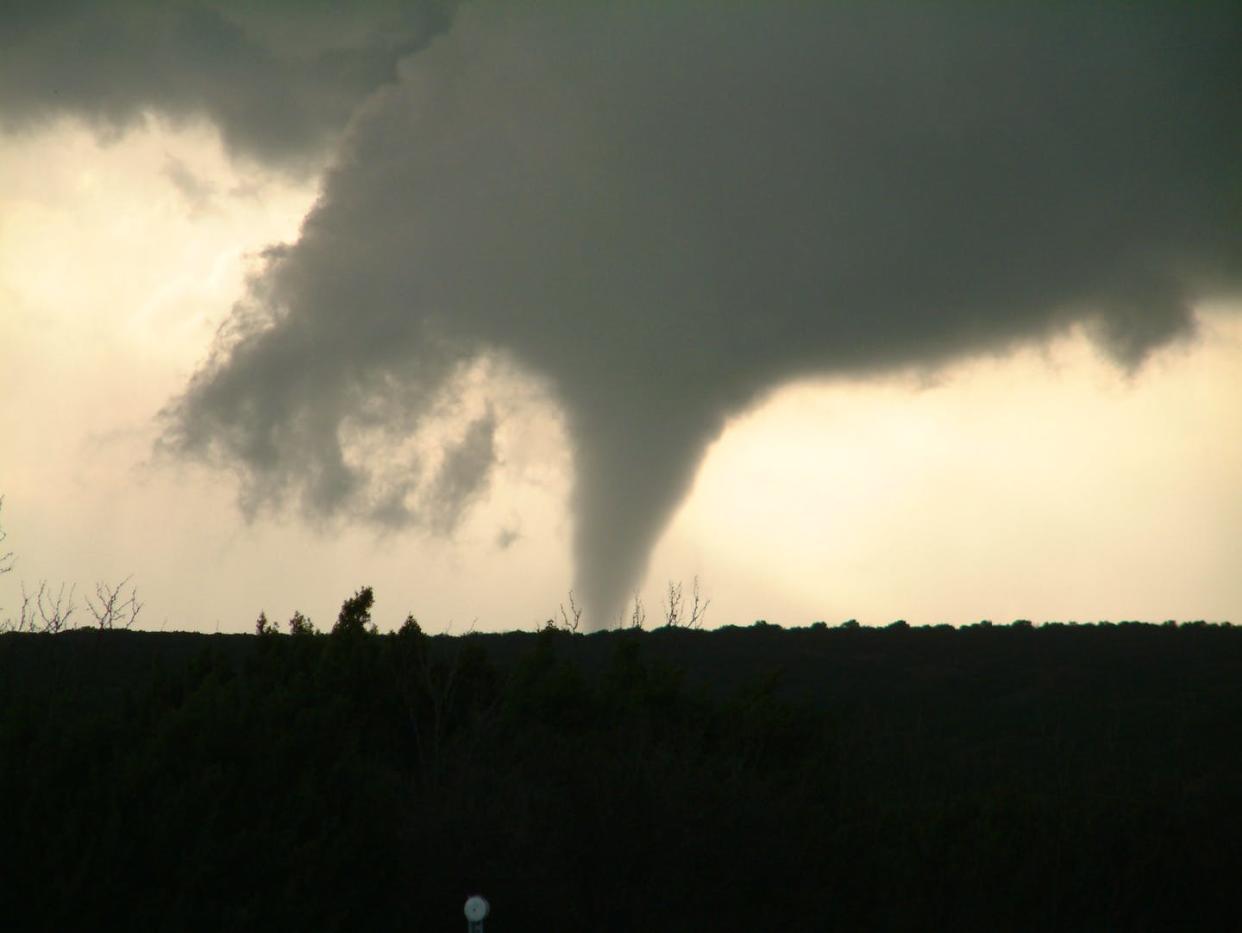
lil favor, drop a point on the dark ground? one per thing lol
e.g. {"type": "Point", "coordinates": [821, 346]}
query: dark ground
{"type": "Point", "coordinates": [1000, 778]}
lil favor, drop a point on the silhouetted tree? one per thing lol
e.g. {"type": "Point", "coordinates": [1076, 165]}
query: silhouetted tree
{"type": "Point", "coordinates": [410, 627]}
{"type": "Point", "coordinates": [355, 615]}
{"type": "Point", "coordinates": [300, 625]}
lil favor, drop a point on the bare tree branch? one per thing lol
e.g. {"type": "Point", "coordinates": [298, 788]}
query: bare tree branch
{"type": "Point", "coordinates": [6, 564]}
{"type": "Point", "coordinates": [698, 608]}
{"type": "Point", "coordinates": [6, 559]}
{"type": "Point", "coordinates": [675, 606]}
{"type": "Point", "coordinates": [638, 614]}
{"type": "Point", "coordinates": [570, 621]}
{"type": "Point", "coordinates": [48, 611]}
{"type": "Point", "coordinates": [112, 607]}
{"type": "Point", "coordinates": [25, 618]}
{"type": "Point", "coordinates": [43, 611]}
{"type": "Point", "coordinates": [55, 613]}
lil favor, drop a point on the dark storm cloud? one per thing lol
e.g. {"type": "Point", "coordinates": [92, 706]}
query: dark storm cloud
{"type": "Point", "coordinates": [665, 211]}
{"type": "Point", "coordinates": [463, 474]}
{"type": "Point", "coordinates": [279, 80]}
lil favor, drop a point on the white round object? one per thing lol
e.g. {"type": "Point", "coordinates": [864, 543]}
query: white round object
{"type": "Point", "coordinates": [476, 908]}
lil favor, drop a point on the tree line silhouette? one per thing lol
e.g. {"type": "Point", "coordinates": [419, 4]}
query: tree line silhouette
{"type": "Point", "coordinates": [742, 778]}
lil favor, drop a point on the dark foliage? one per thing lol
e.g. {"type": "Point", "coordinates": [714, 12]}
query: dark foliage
{"type": "Point", "coordinates": [998, 777]}
{"type": "Point", "coordinates": [355, 615]}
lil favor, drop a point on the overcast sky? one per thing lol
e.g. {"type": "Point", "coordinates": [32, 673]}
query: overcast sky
{"type": "Point", "coordinates": [879, 311]}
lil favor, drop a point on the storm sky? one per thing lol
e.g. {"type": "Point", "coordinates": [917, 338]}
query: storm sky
{"type": "Point", "coordinates": [851, 310]}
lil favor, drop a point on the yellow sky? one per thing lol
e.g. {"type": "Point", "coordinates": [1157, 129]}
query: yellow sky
{"type": "Point", "coordinates": [1046, 484]}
